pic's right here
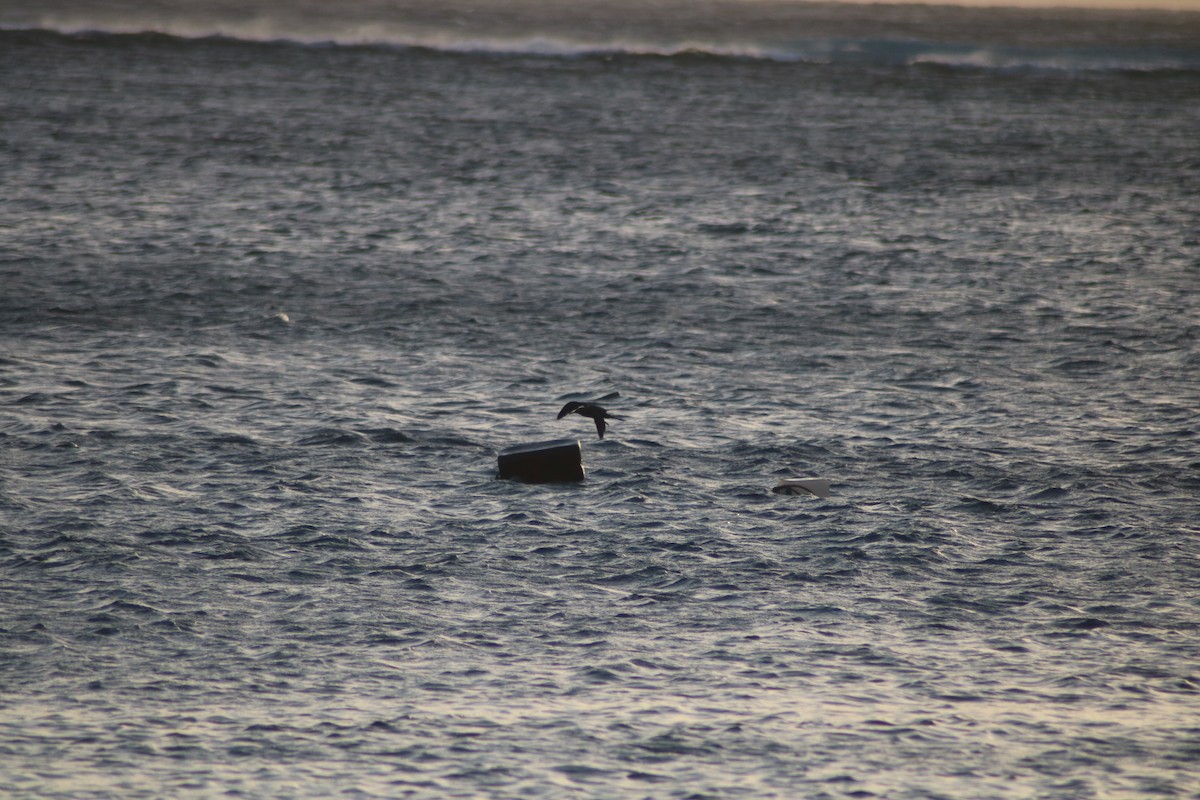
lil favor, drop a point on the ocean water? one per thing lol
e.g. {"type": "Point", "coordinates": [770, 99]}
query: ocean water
{"type": "Point", "coordinates": [277, 283]}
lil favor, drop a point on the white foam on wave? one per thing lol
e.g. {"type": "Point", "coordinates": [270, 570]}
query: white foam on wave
{"type": "Point", "coordinates": [977, 38]}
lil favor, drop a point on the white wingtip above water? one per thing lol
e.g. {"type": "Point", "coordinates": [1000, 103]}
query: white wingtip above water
{"type": "Point", "coordinates": [817, 487]}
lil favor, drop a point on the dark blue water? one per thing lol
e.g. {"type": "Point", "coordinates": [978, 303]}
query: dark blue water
{"type": "Point", "coordinates": [269, 310]}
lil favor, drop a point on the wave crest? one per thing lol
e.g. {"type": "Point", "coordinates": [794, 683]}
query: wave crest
{"type": "Point", "coordinates": [816, 33]}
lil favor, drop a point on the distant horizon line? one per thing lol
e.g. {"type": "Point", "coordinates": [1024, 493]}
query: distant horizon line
{"type": "Point", "coordinates": [1100, 5]}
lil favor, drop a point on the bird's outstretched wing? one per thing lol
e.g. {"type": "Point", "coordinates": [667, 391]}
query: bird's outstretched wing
{"type": "Point", "coordinates": [600, 426]}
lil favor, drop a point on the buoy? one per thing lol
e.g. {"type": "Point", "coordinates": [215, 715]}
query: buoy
{"type": "Point", "coordinates": [817, 487]}
{"type": "Point", "coordinates": [560, 460]}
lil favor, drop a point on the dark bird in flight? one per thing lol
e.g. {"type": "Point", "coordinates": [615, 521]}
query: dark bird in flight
{"type": "Point", "coordinates": [590, 410]}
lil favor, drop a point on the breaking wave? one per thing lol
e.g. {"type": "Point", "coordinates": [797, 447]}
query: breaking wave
{"type": "Point", "coordinates": [859, 52]}
{"type": "Point", "coordinates": [808, 33]}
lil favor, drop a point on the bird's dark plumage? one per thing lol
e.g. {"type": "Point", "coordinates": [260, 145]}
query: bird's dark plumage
{"type": "Point", "coordinates": [590, 410]}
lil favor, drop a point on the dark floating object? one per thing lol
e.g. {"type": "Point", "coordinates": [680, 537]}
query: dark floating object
{"type": "Point", "coordinates": [590, 410]}
{"type": "Point", "coordinates": [557, 461]}
{"type": "Point", "coordinates": [816, 487]}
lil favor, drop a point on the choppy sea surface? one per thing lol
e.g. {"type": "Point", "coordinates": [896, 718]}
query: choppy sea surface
{"type": "Point", "coordinates": [271, 302]}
